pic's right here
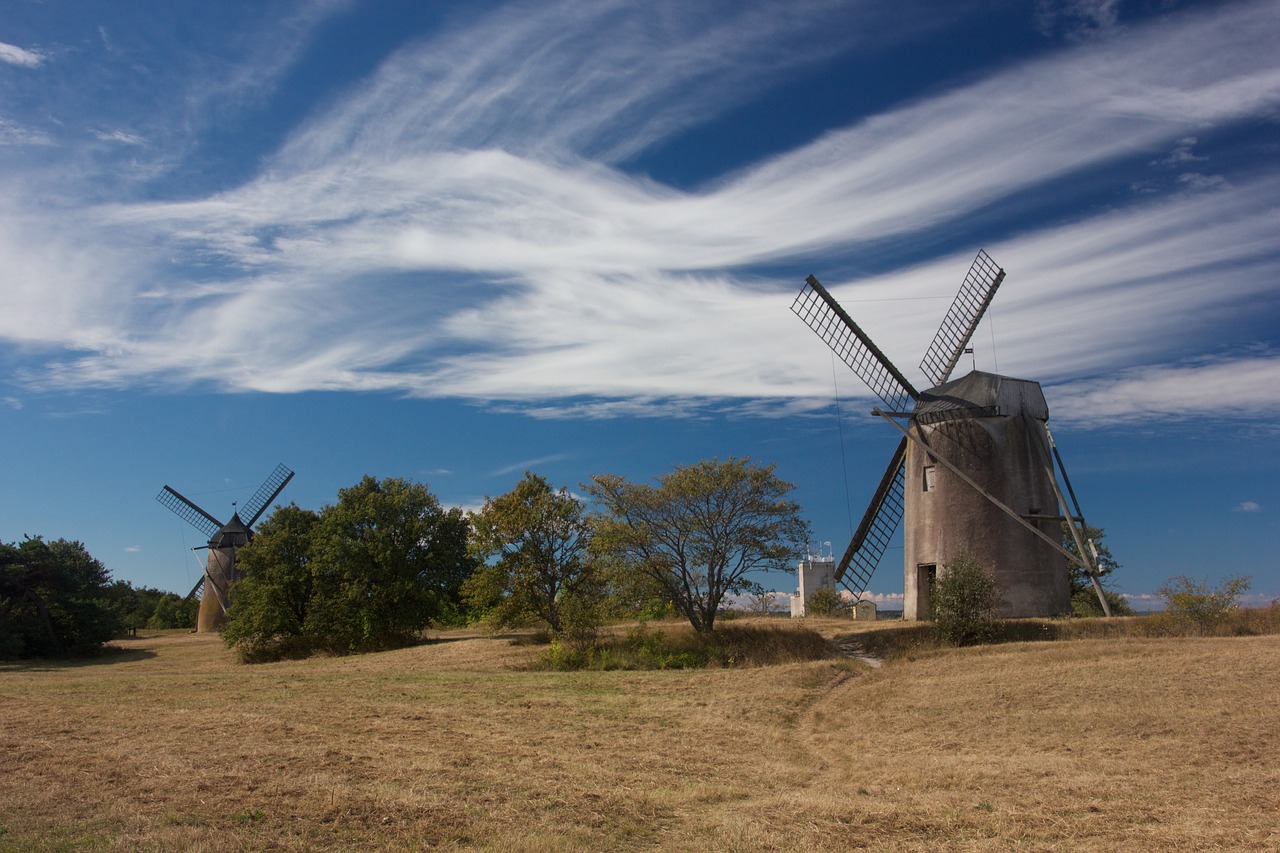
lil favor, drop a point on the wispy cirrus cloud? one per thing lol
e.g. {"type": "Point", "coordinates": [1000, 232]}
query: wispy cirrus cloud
{"type": "Point", "coordinates": [463, 224]}
{"type": "Point", "coordinates": [1077, 19]}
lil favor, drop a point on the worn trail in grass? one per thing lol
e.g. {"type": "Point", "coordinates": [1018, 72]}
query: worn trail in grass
{"type": "Point", "coordinates": [172, 745]}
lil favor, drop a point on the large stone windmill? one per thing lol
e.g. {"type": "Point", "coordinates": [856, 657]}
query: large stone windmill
{"type": "Point", "coordinates": [974, 472]}
{"type": "Point", "coordinates": [224, 539]}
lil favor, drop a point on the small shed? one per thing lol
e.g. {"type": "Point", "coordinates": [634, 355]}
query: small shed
{"type": "Point", "coordinates": [865, 611]}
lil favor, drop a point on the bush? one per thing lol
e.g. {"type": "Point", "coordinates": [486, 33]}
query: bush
{"type": "Point", "coordinates": [964, 603]}
{"type": "Point", "coordinates": [1084, 603]}
{"type": "Point", "coordinates": [643, 647]}
{"type": "Point", "coordinates": [825, 601]}
{"type": "Point", "coordinates": [1195, 604]}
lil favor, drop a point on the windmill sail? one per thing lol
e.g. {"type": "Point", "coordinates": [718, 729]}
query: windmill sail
{"type": "Point", "coordinates": [825, 316]}
{"type": "Point", "coordinates": [878, 525]}
{"type": "Point", "coordinates": [189, 512]}
{"type": "Point", "coordinates": [266, 493]}
{"type": "Point", "coordinates": [976, 293]}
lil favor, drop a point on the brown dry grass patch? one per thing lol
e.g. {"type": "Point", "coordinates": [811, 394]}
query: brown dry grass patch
{"type": "Point", "coordinates": [1091, 744]}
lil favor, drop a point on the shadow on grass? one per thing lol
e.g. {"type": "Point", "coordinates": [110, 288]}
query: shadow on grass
{"type": "Point", "coordinates": [99, 657]}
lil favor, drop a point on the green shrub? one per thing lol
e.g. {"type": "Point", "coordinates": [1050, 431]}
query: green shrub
{"type": "Point", "coordinates": [964, 603]}
{"type": "Point", "coordinates": [1084, 603]}
{"type": "Point", "coordinates": [643, 647]}
{"type": "Point", "coordinates": [825, 601]}
{"type": "Point", "coordinates": [1196, 605]}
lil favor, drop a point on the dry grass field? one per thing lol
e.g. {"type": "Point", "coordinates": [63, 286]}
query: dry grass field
{"type": "Point", "coordinates": [1135, 744]}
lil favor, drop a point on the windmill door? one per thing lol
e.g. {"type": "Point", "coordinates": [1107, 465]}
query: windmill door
{"type": "Point", "coordinates": [926, 576]}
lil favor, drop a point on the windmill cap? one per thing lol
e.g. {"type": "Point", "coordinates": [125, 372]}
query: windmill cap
{"type": "Point", "coordinates": [981, 395]}
{"type": "Point", "coordinates": [234, 532]}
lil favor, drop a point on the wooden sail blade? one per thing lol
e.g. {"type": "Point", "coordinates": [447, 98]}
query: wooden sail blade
{"type": "Point", "coordinates": [876, 530]}
{"type": "Point", "coordinates": [189, 512]}
{"type": "Point", "coordinates": [265, 494]}
{"type": "Point", "coordinates": [824, 315]}
{"type": "Point", "coordinates": [971, 303]}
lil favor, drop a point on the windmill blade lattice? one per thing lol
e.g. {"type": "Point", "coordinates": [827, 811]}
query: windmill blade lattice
{"type": "Point", "coordinates": [266, 493]}
{"type": "Point", "coordinates": [189, 512]}
{"type": "Point", "coordinates": [825, 316]}
{"type": "Point", "coordinates": [962, 319]}
{"type": "Point", "coordinates": [876, 530]}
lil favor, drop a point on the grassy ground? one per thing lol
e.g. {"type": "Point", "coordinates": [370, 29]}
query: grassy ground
{"type": "Point", "coordinates": [1109, 743]}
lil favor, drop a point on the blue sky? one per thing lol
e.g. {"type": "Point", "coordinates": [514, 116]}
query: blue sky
{"type": "Point", "coordinates": [456, 241]}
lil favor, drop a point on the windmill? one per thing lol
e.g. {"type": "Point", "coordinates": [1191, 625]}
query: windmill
{"type": "Point", "coordinates": [974, 471]}
{"type": "Point", "coordinates": [224, 539]}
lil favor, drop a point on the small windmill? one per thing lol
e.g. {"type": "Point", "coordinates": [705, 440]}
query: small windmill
{"type": "Point", "coordinates": [974, 472]}
{"type": "Point", "coordinates": [224, 539]}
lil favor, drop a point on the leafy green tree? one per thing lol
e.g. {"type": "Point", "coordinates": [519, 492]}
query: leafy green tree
{"type": "Point", "coordinates": [1084, 598]}
{"type": "Point", "coordinates": [174, 611]}
{"type": "Point", "coordinates": [451, 564]}
{"type": "Point", "coordinates": [55, 598]}
{"type": "Point", "coordinates": [366, 573]}
{"type": "Point", "coordinates": [964, 601]}
{"type": "Point", "coordinates": [270, 603]}
{"type": "Point", "coordinates": [826, 601]}
{"type": "Point", "coordinates": [148, 607]}
{"type": "Point", "coordinates": [700, 530]}
{"type": "Point", "coordinates": [533, 546]}
{"type": "Point", "coordinates": [377, 559]}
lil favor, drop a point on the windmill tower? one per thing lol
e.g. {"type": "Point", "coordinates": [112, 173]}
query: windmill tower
{"type": "Point", "coordinates": [973, 473]}
{"type": "Point", "coordinates": [224, 539]}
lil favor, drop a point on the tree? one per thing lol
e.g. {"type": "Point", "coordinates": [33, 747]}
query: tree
{"type": "Point", "coordinates": [826, 601]}
{"type": "Point", "coordinates": [270, 603]}
{"type": "Point", "coordinates": [148, 607]}
{"type": "Point", "coordinates": [55, 598]}
{"type": "Point", "coordinates": [378, 557]}
{"type": "Point", "coordinates": [539, 537]}
{"type": "Point", "coordinates": [451, 563]}
{"type": "Point", "coordinates": [964, 603]}
{"type": "Point", "coordinates": [1084, 598]}
{"type": "Point", "coordinates": [700, 531]}
{"type": "Point", "coordinates": [174, 611]}
{"type": "Point", "coordinates": [367, 573]}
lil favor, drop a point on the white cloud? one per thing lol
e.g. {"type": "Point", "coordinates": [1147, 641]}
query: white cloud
{"type": "Point", "coordinates": [529, 464]}
{"type": "Point", "coordinates": [12, 133]}
{"type": "Point", "coordinates": [12, 402]}
{"type": "Point", "coordinates": [133, 549]}
{"type": "Point", "coordinates": [1076, 19]}
{"type": "Point", "coordinates": [1197, 181]}
{"type": "Point", "coordinates": [118, 136]}
{"type": "Point", "coordinates": [22, 57]}
{"type": "Point", "coordinates": [475, 238]}
{"type": "Point", "coordinates": [1216, 388]}
{"type": "Point", "coordinates": [1181, 153]}
{"type": "Point", "coordinates": [1248, 506]}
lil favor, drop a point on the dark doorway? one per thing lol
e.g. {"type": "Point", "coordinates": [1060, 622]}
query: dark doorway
{"type": "Point", "coordinates": [926, 576]}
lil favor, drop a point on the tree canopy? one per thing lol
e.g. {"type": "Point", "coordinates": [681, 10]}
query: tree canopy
{"type": "Point", "coordinates": [700, 531]}
{"type": "Point", "coordinates": [1084, 598]}
{"type": "Point", "coordinates": [369, 572]}
{"type": "Point", "coordinates": [268, 614]}
{"type": "Point", "coordinates": [54, 599]}
{"type": "Point", "coordinates": [533, 546]}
